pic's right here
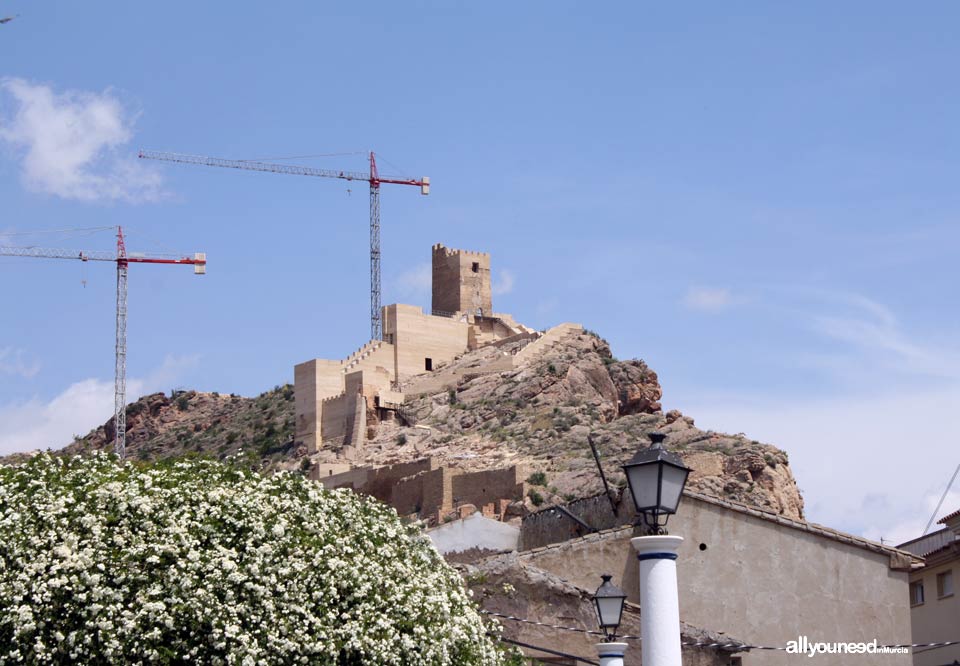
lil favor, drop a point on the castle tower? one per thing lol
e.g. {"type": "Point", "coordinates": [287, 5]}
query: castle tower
{"type": "Point", "coordinates": [461, 281]}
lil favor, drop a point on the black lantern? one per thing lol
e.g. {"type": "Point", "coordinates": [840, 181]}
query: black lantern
{"type": "Point", "coordinates": [656, 478]}
{"type": "Point", "coordinates": [609, 601]}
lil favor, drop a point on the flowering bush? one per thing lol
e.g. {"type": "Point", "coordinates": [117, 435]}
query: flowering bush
{"type": "Point", "coordinates": [196, 561]}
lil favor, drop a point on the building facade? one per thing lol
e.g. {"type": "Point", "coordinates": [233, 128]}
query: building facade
{"type": "Point", "coordinates": [934, 605]}
{"type": "Point", "coordinates": [743, 572]}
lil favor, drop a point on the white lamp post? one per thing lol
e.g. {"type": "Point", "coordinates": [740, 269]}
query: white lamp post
{"type": "Point", "coordinates": [656, 478]}
{"type": "Point", "coordinates": [609, 602]}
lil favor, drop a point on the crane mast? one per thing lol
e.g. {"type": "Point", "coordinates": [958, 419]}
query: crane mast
{"type": "Point", "coordinates": [373, 178]}
{"type": "Point", "coordinates": [122, 260]}
{"type": "Point", "coordinates": [120, 359]}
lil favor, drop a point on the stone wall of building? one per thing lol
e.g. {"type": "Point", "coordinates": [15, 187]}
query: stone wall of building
{"type": "Point", "coordinates": [313, 381]}
{"type": "Point", "coordinates": [422, 342]}
{"type": "Point", "coordinates": [484, 487]}
{"type": "Point", "coordinates": [432, 491]}
{"type": "Point", "coordinates": [461, 281]}
{"type": "Point", "coordinates": [318, 380]}
{"type": "Point", "coordinates": [553, 526]}
{"type": "Point", "coordinates": [336, 418]}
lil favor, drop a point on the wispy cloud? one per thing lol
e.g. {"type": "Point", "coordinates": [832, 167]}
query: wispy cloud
{"type": "Point", "coordinates": [416, 282]}
{"type": "Point", "coordinates": [84, 405]}
{"type": "Point", "coordinates": [71, 143]}
{"type": "Point", "coordinates": [848, 453]}
{"type": "Point", "coordinates": [503, 284]}
{"type": "Point", "coordinates": [707, 299]}
{"type": "Point", "coordinates": [14, 362]}
{"type": "Point", "coordinates": [896, 394]}
{"type": "Point", "coordinates": [871, 329]}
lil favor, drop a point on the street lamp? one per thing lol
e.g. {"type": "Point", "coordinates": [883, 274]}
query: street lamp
{"type": "Point", "coordinates": [656, 478]}
{"type": "Point", "coordinates": [609, 602]}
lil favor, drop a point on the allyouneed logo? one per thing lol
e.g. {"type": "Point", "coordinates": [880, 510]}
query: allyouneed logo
{"type": "Point", "coordinates": [804, 645]}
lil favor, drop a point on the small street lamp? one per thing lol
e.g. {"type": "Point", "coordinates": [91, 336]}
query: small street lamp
{"type": "Point", "coordinates": [656, 478]}
{"type": "Point", "coordinates": [609, 601]}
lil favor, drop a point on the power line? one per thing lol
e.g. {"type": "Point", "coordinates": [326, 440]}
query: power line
{"type": "Point", "coordinates": [943, 497]}
{"type": "Point", "coordinates": [731, 645]}
{"type": "Point", "coordinates": [539, 648]}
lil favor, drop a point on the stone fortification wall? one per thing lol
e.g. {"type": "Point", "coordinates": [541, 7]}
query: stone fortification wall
{"type": "Point", "coordinates": [487, 486]}
{"type": "Point", "coordinates": [432, 491]}
{"type": "Point", "coordinates": [318, 380]}
{"type": "Point", "coordinates": [422, 342]}
{"type": "Point", "coordinates": [313, 381]}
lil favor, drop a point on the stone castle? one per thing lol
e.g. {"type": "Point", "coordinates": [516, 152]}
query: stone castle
{"type": "Point", "coordinates": [339, 403]}
{"type": "Point", "coordinates": [334, 397]}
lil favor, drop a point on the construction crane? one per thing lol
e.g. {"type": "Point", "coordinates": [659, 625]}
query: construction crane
{"type": "Point", "coordinates": [122, 259]}
{"type": "Point", "coordinates": [374, 178]}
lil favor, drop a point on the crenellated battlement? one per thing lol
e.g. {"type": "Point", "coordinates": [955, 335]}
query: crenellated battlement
{"type": "Point", "coordinates": [440, 248]}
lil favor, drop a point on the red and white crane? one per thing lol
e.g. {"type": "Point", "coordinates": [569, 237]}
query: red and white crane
{"type": "Point", "coordinates": [122, 259]}
{"type": "Point", "coordinates": [374, 178]}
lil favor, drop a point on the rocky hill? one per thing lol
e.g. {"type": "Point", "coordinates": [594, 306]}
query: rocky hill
{"type": "Point", "coordinates": [532, 405]}
{"type": "Point", "coordinates": [473, 414]}
{"type": "Point", "coordinates": [192, 423]}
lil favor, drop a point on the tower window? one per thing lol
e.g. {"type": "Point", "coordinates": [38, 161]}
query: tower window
{"type": "Point", "coordinates": [428, 364]}
{"type": "Point", "coordinates": [475, 267]}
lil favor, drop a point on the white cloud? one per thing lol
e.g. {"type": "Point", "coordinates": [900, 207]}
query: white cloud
{"type": "Point", "coordinates": [416, 282]}
{"type": "Point", "coordinates": [83, 406]}
{"type": "Point", "coordinates": [707, 299]}
{"type": "Point", "coordinates": [872, 329]}
{"type": "Point", "coordinates": [874, 452]}
{"type": "Point", "coordinates": [13, 362]}
{"type": "Point", "coordinates": [871, 465]}
{"type": "Point", "coordinates": [504, 283]}
{"type": "Point", "coordinates": [73, 144]}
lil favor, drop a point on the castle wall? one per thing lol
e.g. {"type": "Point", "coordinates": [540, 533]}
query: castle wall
{"type": "Point", "coordinates": [318, 380]}
{"type": "Point", "coordinates": [423, 493]}
{"type": "Point", "coordinates": [417, 337]}
{"type": "Point", "coordinates": [484, 487]}
{"type": "Point", "coordinates": [375, 355]}
{"type": "Point", "coordinates": [426, 488]}
{"type": "Point", "coordinates": [336, 418]}
{"type": "Point", "coordinates": [313, 381]}
{"type": "Point", "coordinates": [377, 482]}
{"type": "Point", "coordinates": [461, 281]}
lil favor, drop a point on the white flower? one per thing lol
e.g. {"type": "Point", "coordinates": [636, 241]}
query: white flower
{"type": "Point", "coordinates": [203, 559]}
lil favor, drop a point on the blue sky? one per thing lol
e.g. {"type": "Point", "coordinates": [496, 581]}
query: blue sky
{"type": "Point", "coordinates": [758, 200]}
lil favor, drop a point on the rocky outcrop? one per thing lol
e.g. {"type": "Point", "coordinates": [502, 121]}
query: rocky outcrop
{"type": "Point", "coordinates": [638, 387]}
{"type": "Point", "coordinates": [541, 411]}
